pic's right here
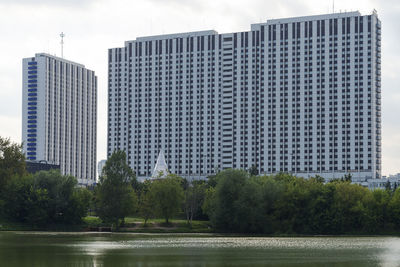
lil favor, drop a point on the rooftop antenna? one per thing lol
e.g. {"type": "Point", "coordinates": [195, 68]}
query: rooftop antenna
{"type": "Point", "coordinates": [333, 6]}
{"type": "Point", "coordinates": [62, 35]}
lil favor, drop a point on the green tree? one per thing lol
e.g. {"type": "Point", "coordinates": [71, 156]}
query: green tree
{"type": "Point", "coordinates": [115, 196]}
{"type": "Point", "coordinates": [253, 171]}
{"type": "Point", "coordinates": [59, 190]}
{"type": "Point", "coordinates": [394, 209]}
{"type": "Point", "coordinates": [66, 202]}
{"type": "Point", "coordinates": [271, 192]}
{"type": "Point", "coordinates": [167, 195]}
{"type": "Point", "coordinates": [226, 209]}
{"type": "Point", "coordinates": [23, 203]}
{"type": "Point", "coordinates": [194, 197]}
{"type": "Point", "coordinates": [247, 219]}
{"type": "Point", "coordinates": [209, 203]}
{"type": "Point", "coordinates": [349, 207]}
{"type": "Point", "coordinates": [38, 203]}
{"type": "Point", "coordinates": [320, 203]}
{"type": "Point", "coordinates": [146, 203]}
{"type": "Point", "coordinates": [293, 209]}
{"type": "Point", "coordinates": [388, 186]}
{"type": "Point", "coordinates": [377, 213]}
{"type": "Point", "coordinates": [395, 185]}
{"type": "Point", "coordinates": [81, 200]}
{"type": "Point", "coordinates": [347, 177]}
{"type": "Point", "coordinates": [12, 162]}
{"type": "Point", "coordinates": [45, 198]}
{"type": "Point", "coordinates": [146, 207]}
{"type": "Point", "coordinates": [212, 181]}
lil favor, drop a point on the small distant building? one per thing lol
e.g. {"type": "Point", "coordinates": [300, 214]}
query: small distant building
{"type": "Point", "coordinates": [100, 167]}
{"type": "Point", "coordinates": [383, 183]}
{"type": "Point", "coordinates": [161, 168]}
{"type": "Point", "coordinates": [36, 166]}
{"type": "Point", "coordinates": [397, 176]}
{"type": "Point", "coordinates": [372, 184]}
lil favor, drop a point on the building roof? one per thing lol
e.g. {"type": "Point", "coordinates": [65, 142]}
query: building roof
{"type": "Point", "coordinates": [161, 168]}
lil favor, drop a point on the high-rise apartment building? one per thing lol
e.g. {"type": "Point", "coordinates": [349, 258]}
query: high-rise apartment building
{"type": "Point", "coordinates": [299, 95]}
{"type": "Point", "coordinates": [59, 115]}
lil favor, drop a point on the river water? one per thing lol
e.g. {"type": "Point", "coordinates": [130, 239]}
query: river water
{"type": "Point", "coordinates": [147, 250]}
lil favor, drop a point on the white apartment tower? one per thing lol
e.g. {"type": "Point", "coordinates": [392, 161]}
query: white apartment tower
{"type": "Point", "coordinates": [299, 95]}
{"type": "Point", "coordinates": [59, 115]}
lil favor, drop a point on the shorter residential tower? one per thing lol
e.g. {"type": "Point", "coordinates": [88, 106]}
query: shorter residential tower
{"type": "Point", "coordinates": [59, 115]}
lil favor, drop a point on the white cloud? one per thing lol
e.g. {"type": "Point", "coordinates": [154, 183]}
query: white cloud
{"type": "Point", "coordinates": [52, 3]}
{"type": "Point", "coordinates": [11, 128]}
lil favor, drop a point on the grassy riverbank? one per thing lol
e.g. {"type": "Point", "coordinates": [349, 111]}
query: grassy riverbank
{"type": "Point", "coordinates": [12, 226]}
{"type": "Point", "coordinates": [132, 224]}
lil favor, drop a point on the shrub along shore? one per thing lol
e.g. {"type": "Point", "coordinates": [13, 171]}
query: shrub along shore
{"type": "Point", "coordinates": [232, 201]}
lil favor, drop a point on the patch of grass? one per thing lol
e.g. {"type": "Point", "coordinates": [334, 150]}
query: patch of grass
{"type": "Point", "coordinates": [13, 226]}
{"type": "Point", "coordinates": [132, 224]}
{"type": "Point", "coordinates": [92, 221]}
{"type": "Point", "coordinates": [167, 225]}
{"type": "Point", "coordinates": [158, 225]}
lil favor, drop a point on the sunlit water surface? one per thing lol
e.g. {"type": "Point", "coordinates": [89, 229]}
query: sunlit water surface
{"type": "Point", "coordinates": [92, 249]}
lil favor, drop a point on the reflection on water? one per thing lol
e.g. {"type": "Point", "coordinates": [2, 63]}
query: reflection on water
{"type": "Point", "coordinates": [77, 249]}
{"type": "Point", "coordinates": [390, 256]}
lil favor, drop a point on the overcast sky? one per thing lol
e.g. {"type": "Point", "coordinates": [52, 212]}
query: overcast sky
{"type": "Point", "coordinates": [92, 26]}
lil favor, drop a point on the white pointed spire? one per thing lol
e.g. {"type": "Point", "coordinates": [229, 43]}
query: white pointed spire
{"type": "Point", "coordinates": [161, 169]}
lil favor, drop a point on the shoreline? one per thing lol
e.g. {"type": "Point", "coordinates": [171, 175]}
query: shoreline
{"type": "Point", "coordinates": [192, 234]}
{"type": "Point", "coordinates": [154, 227]}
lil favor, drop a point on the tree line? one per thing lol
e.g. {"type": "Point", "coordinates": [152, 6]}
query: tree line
{"type": "Point", "coordinates": [43, 198]}
{"type": "Point", "coordinates": [49, 198]}
{"type": "Point", "coordinates": [286, 204]}
{"type": "Point", "coordinates": [235, 201]}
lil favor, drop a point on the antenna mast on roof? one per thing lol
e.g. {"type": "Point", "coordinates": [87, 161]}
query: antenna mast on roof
{"type": "Point", "coordinates": [62, 35]}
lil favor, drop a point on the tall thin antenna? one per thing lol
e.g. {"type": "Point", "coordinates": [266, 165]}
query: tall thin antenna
{"type": "Point", "coordinates": [62, 35]}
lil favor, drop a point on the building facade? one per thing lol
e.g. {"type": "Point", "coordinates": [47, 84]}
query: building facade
{"type": "Point", "coordinates": [298, 95]}
{"type": "Point", "coordinates": [100, 166]}
{"type": "Point", "coordinates": [59, 115]}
